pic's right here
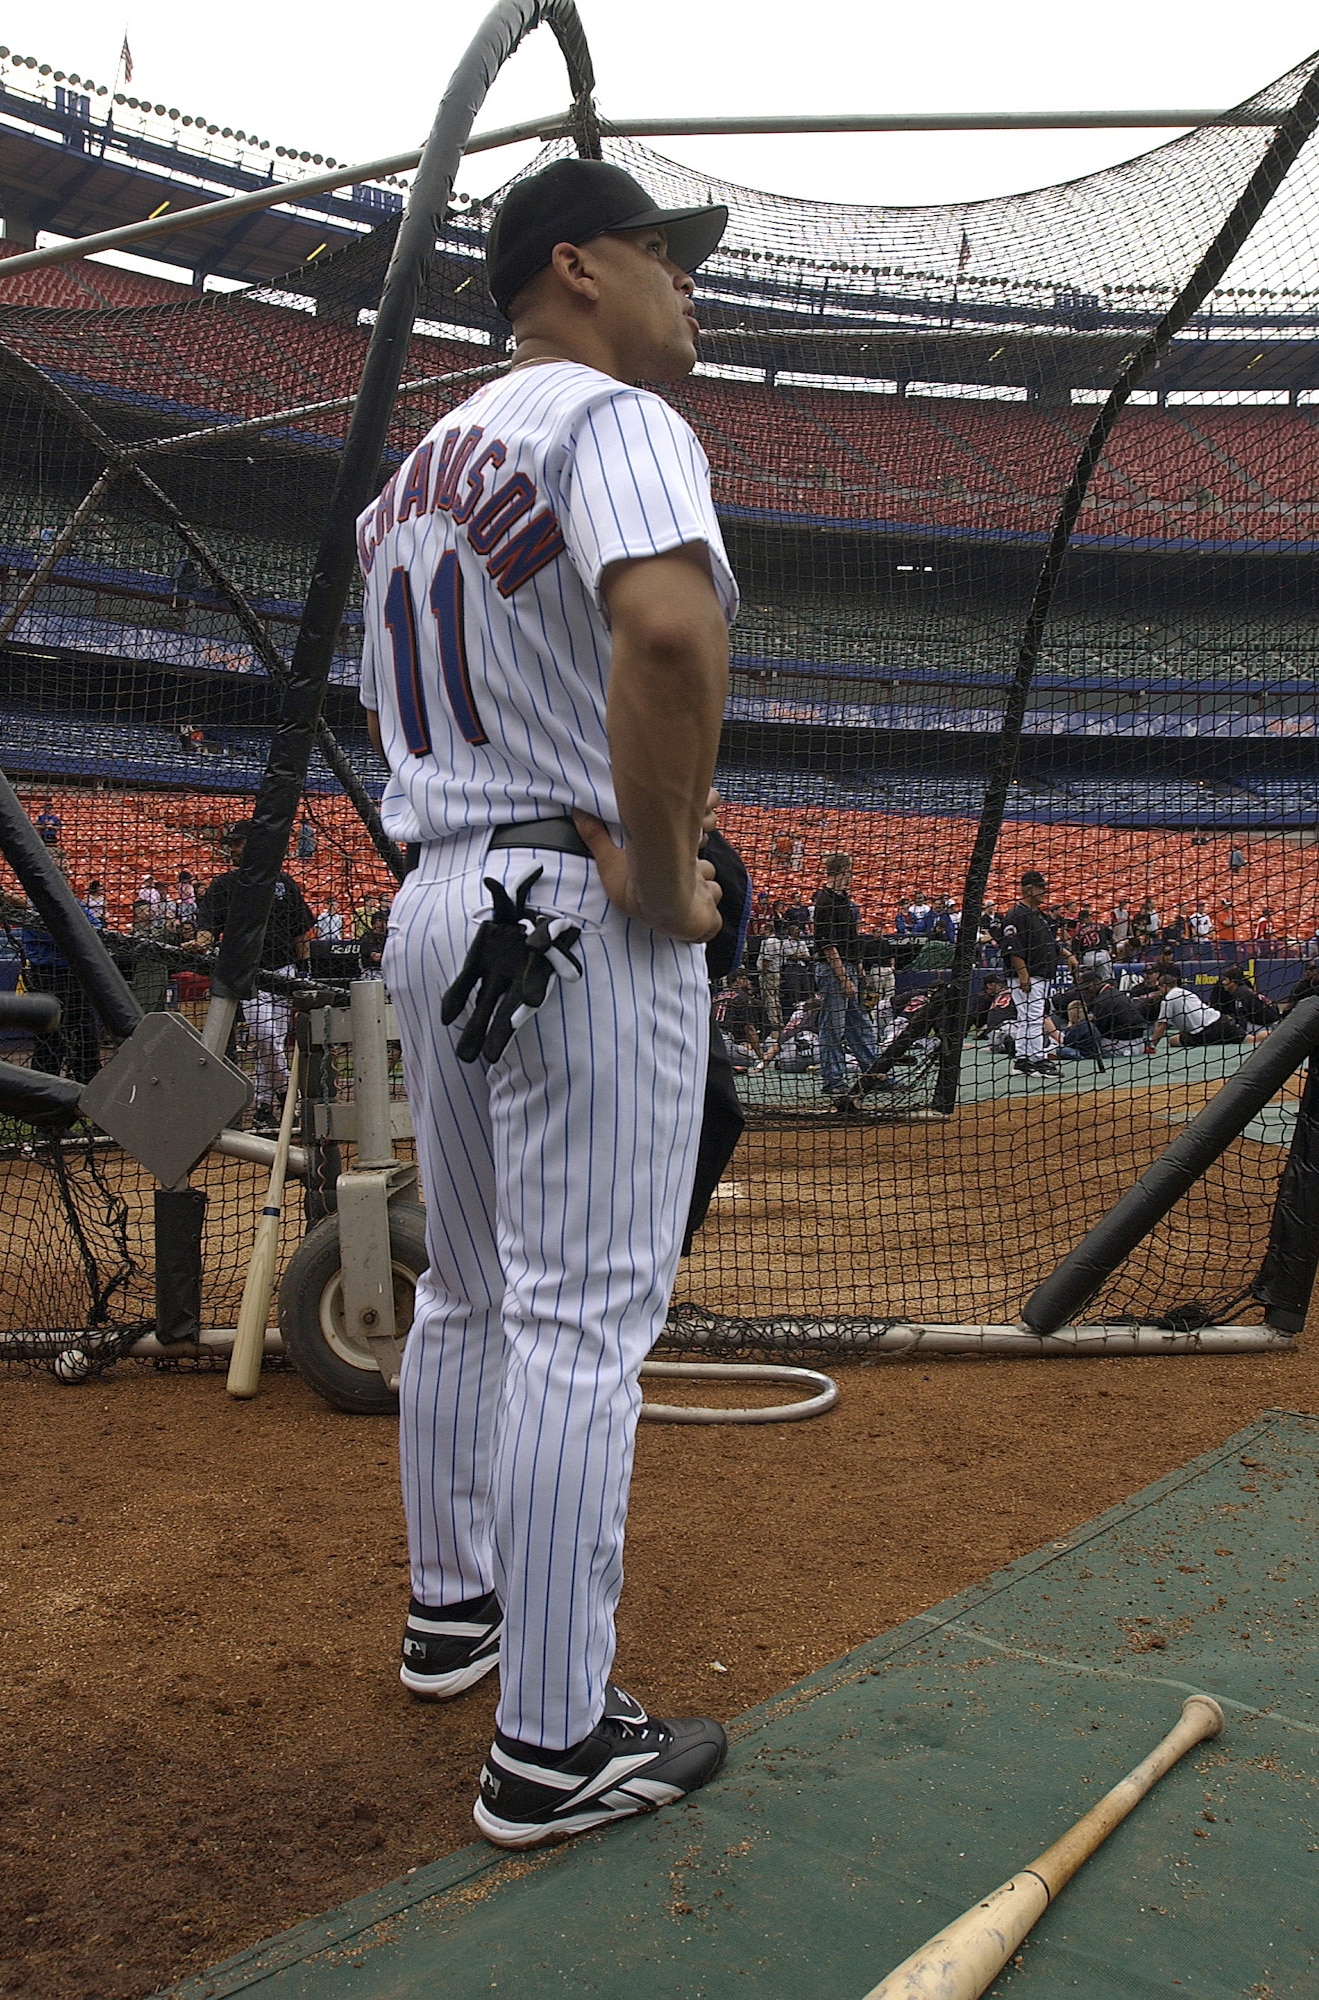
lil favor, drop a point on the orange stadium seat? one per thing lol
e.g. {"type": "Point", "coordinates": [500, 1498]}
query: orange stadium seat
{"type": "Point", "coordinates": [1183, 475]}
{"type": "Point", "coordinates": [895, 855]}
{"type": "Point", "coordinates": [119, 842]}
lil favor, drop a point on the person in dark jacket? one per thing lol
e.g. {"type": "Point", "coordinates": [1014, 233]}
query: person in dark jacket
{"type": "Point", "coordinates": [286, 945]}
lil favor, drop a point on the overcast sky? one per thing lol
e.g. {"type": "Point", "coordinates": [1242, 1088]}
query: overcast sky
{"type": "Point", "coordinates": [361, 82]}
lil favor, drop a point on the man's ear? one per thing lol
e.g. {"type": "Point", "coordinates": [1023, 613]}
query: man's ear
{"type": "Point", "coordinates": [576, 270]}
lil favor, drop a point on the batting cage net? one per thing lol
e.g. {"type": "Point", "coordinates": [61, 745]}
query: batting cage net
{"type": "Point", "coordinates": [979, 636]}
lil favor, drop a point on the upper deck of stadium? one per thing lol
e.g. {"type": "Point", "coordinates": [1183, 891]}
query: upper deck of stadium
{"type": "Point", "coordinates": [1183, 476]}
{"type": "Point", "coordinates": [892, 402]}
{"type": "Point", "coordinates": [895, 373]}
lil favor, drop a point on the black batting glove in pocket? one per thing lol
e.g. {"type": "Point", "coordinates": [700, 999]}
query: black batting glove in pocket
{"type": "Point", "coordinates": [514, 955]}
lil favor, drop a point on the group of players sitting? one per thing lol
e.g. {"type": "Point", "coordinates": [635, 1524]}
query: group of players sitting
{"type": "Point", "coordinates": [1097, 1017]}
{"type": "Point", "coordinates": [1108, 1010]}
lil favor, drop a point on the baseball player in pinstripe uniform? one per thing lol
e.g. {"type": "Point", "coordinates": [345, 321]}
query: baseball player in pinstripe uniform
{"type": "Point", "coordinates": [546, 612]}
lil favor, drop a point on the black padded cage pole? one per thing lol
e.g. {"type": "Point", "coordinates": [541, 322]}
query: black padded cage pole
{"type": "Point", "coordinates": [72, 931]}
{"type": "Point", "coordinates": [1069, 1289]}
{"type": "Point", "coordinates": [126, 461]}
{"type": "Point", "coordinates": [359, 471]}
{"type": "Point", "coordinates": [1286, 1278]}
{"type": "Point", "coordinates": [1292, 133]}
{"type": "Point", "coordinates": [38, 1097]}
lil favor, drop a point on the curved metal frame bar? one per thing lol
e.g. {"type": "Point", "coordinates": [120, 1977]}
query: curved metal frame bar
{"type": "Point", "coordinates": [359, 466]}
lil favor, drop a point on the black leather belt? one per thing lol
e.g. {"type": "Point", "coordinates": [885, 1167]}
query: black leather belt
{"type": "Point", "coordinates": [560, 834]}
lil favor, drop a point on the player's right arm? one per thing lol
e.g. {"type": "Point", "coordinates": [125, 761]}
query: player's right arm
{"type": "Point", "coordinates": [833, 960]}
{"type": "Point", "coordinates": [210, 918]}
{"type": "Point", "coordinates": [668, 681]}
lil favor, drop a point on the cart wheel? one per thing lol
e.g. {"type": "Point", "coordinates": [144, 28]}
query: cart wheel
{"type": "Point", "coordinates": [340, 1367]}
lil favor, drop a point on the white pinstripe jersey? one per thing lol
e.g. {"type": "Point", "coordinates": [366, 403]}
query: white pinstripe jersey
{"type": "Point", "coordinates": [486, 648]}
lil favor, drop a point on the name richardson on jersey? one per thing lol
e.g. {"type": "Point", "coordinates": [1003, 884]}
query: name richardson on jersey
{"type": "Point", "coordinates": [458, 476]}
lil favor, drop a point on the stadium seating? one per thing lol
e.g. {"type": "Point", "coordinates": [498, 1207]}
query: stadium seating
{"type": "Point", "coordinates": [924, 464]}
{"type": "Point", "coordinates": [83, 282]}
{"type": "Point", "coordinates": [896, 854]}
{"type": "Point", "coordinates": [941, 462]}
{"type": "Point", "coordinates": [117, 836]}
{"type": "Point", "coordinates": [131, 752]}
{"type": "Point", "coordinates": [200, 360]}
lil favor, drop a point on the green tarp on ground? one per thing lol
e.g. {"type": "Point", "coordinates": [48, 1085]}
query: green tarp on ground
{"type": "Point", "coordinates": [986, 1076]}
{"type": "Point", "coordinates": [863, 1809]}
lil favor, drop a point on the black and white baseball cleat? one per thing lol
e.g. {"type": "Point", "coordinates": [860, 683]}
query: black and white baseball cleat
{"type": "Point", "coordinates": [630, 1763]}
{"type": "Point", "coordinates": [446, 1652]}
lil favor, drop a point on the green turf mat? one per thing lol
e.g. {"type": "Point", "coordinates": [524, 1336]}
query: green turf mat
{"type": "Point", "coordinates": [863, 1809]}
{"type": "Point", "coordinates": [985, 1075]}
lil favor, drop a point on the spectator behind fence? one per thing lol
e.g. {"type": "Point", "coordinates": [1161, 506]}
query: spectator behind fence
{"type": "Point", "coordinates": [917, 918]}
{"type": "Point", "coordinates": [370, 950]}
{"type": "Point", "coordinates": [1092, 943]}
{"type": "Point", "coordinates": [142, 961]}
{"type": "Point", "coordinates": [945, 921]}
{"type": "Point", "coordinates": [1101, 1021]}
{"type": "Point", "coordinates": [1145, 923]}
{"type": "Point", "coordinates": [48, 823]}
{"type": "Point", "coordinates": [769, 975]}
{"type": "Point", "coordinates": [736, 1013]}
{"type": "Point", "coordinates": [363, 914]}
{"type": "Point", "coordinates": [796, 980]}
{"type": "Point", "coordinates": [1177, 930]}
{"type": "Point", "coordinates": [284, 945]}
{"type": "Point", "coordinates": [844, 1024]}
{"type": "Point", "coordinates": [182, 902]}
{"type": "Point", "coordinates": [982, 1006]}
{"type": "Point", "coordinates": [1030, 959]}
{"type": "Point", "coordinates": [795, 1048]}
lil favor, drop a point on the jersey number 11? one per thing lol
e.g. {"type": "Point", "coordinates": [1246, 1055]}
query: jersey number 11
{"type": "Point", "coordinates": [446, 603]}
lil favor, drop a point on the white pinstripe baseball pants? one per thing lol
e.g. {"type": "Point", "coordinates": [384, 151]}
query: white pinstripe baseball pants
{"type": "Point", "coordinates": [1032, 1005]}
{"type": "Point", "coordinates": [269, 1018]}
{"type": "Point", "coordinates": [557, 1184]}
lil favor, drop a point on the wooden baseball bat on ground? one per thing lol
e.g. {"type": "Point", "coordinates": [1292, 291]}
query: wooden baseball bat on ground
{"type": "Point", "coordinates": [244, 1378]}
{"type": "Point", "coordinates": [963, 1960]}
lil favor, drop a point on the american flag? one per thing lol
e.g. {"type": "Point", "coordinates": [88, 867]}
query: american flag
{"type": "Point", "coordinates": [126, 61]}
{"type": "Point", "coordinates": [964, 254]}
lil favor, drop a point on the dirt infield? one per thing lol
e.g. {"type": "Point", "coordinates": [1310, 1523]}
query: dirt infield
{"type": "Point", "coordinates": [42, 1270]}
{"type": "Point", "coordinates": [945, 1221]}
{"type": "Point", "coordinates": [205, 1740]}
{"type": "Point", "coordinates": [957, 1221]}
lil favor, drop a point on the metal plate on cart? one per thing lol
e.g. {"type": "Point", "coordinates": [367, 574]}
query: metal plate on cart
{"type": "Point", "coordinates": [165, 1097]}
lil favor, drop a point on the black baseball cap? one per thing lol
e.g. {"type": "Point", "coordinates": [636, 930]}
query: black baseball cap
{"type": "Point", "coordinates": [570, 202]}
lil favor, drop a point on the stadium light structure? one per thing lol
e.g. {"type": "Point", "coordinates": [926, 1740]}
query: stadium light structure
{"type": "Point", "coordinates": [561, 125]}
